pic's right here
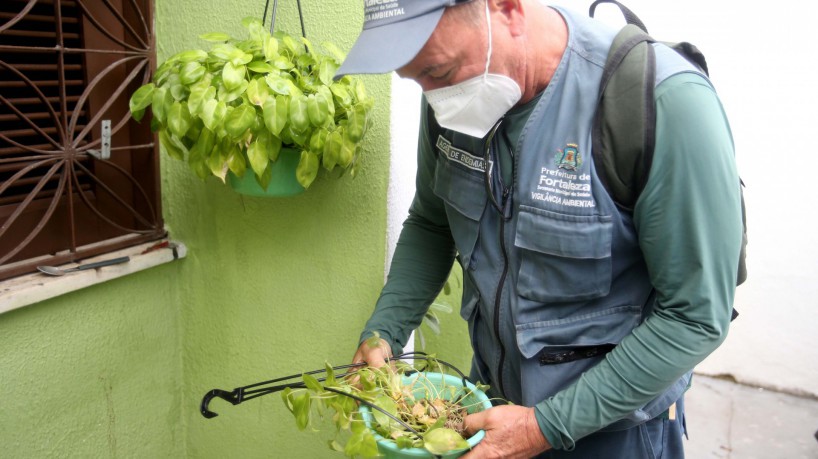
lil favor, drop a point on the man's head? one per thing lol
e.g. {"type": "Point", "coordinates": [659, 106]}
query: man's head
{"type": "Point", "coordinates": [394, 32]}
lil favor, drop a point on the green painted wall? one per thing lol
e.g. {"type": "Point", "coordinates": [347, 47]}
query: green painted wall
{"type": "Point", "coordinates": [271, 287]}
{"type": "Point", "coordinates": [94, 373]}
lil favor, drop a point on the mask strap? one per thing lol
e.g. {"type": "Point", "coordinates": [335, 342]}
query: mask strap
{"type": "Point", "coordinates": [488, 58]}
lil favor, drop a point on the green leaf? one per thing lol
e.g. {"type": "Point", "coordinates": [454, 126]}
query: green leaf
{"type": "Point", "coordinates": [312, 383]}
{"type": "Point", "coordinates": [179, 120]}
{"type": "Point", "coordinates": [227, 96]}
{"type": "Point", "coordinates": [443, 440]}
{"type": "Point", "coordinates": [258, 91]}
{"type": "Point", "coordinates": [215, 37]}
{"type": "Point", "coordinates": [278, 84]}
{"type": "Point", "coordinates": [191, 73]}
{"type": "Point", "coordinates": [232, 75]}
{"type": "Point", "coordinates": [205, 143]}
{"type": "Point", "coordinates": [198, 96]}
{"type": "Point", "coordinates": [239, 120]}
{"type": "Point", "coordinates": [346, 154]}
{"type": "Point", "coordinates": [387, 404]}
{"type": "Point", "coordinates": [329, 380]}
{"type": "Point", "coordinates": [223, 51]}
{"type": "Point", "coordinates": [332, 148]}
{"type": "Point", "coordinates": [307, 168]}
{"type": "Point", "coordinates": [257, 154]}
{"type": "Point", "coordinates": [162, 101]}
{"type": "Point", "coordinates": [189, 56]}
{"type": "Point", "coordinates": [282, 63]}
{"type": "Point", "coordinates": [326, 71]}
{"type": "Point", "coordinates": [213, 113]}
{"type": "Point", "coordinates": [270, 48]}
{"type": "Point", "coordinates": [334, 445]}
{"type": "Point", "coordinates": [301, 410]}
{"type": "Point", "coordinates": [173, 147]}
{"type": "Point", "coordinates": [273, 118]}
{"type": "Point", "coordinates": [356, 124]}
{"type": "Point", "coordinates": [342, 94]}
{"type": "Point", "coordinates": [299, 118]}
{"type": "Point", "coordinates": [141, 99]}
{"type": "Point", "coordinates": [260, 67]}
{"type": "Point", "coordinates": [236, 162]}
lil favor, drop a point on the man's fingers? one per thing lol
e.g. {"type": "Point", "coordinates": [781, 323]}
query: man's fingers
{"type": "Point", "coordinates": [473, 423]}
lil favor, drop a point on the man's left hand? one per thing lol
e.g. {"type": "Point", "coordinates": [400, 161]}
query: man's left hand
{"type": "Point", "coordinates": [511, 432]}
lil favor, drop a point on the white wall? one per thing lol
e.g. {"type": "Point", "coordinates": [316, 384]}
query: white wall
{"type": "Point", "coordinates": [763, 62]}
{"type": "Point", "coordinates": [765, 67]}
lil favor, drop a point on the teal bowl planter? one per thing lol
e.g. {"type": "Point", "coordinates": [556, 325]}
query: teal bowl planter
{"type": "Point", "coordinates": [283, 182]}
{"type": "Point", "coordinates": [424, 384]}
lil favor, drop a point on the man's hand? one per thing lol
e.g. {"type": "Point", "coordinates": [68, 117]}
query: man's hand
{"type": "Point", "coordinates": [511, 432]}
{"type": "Point", "coordinates": [374, 351]}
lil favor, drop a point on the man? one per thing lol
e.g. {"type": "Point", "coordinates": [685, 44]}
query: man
{"type": "Point", "coordinates": [587, 316]}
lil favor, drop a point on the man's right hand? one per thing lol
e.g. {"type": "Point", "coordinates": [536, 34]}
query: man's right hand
{"type": "Point", "coordinates": [374, 353]}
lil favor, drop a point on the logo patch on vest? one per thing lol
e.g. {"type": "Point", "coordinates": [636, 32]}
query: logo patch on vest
{"type": "Point", "coordinates": [459, 156]}
{"type": "Point", "coordinates": [565, 185]}
{"type": "Point", "coordinates": [568, 158]}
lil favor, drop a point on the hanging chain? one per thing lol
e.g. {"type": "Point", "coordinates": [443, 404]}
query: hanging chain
{"type": "Point", "coordinates": [273, 19]}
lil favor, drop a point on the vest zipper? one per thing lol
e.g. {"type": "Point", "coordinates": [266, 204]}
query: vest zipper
{"type": "Point", "coordinates": [498, 297]}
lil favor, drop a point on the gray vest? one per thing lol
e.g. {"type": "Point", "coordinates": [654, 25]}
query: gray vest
{"type": "Point", "coordinates": [563, 275]}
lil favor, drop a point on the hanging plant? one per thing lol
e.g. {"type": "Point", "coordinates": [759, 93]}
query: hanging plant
{"type": "Point", "coordinates": [232, 108]}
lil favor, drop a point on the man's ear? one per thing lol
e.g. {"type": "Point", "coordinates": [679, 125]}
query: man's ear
{"type": "Point", "coordinates": [513, 13]}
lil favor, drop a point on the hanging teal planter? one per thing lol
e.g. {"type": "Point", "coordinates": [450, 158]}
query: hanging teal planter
{"type": "Point", "coordinates": [283, 182]}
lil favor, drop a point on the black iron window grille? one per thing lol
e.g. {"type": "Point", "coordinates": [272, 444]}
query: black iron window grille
{"type": "Point", "coordinates": [78, 176]}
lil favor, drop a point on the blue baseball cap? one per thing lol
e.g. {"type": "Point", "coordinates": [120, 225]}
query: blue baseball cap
{"type": "Point", "coordinates": [394, 32]}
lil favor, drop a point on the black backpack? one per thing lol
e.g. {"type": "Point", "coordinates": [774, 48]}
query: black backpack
{"type": "Point", "coordinates": [625, 120]}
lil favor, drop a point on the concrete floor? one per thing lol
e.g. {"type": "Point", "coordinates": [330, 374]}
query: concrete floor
{"type": "Point", "coordinates": [733, 421]}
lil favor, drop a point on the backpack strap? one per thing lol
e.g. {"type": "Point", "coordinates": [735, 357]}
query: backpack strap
{"type": "Point", "coordinates": [625, 117]}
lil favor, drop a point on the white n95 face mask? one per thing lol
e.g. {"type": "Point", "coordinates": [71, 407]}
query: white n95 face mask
{"type": "Point", "coordinates": [473, 106]}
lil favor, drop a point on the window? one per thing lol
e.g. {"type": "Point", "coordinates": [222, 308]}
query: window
{"type": "Point", "coordinates": [78, 176]}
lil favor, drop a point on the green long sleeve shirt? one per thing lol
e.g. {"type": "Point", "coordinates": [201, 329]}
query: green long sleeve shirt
{"type": "Point", "coordinates": [689, 224]}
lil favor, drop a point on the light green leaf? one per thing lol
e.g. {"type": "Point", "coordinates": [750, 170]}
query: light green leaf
{"type": "Point", "coordinates": [223, 51]}
{"type": "Point", "coordinates": [215, 37]}
{"type": "Point", "coordinates": [236, 162]}
{"type": "Point", "coordinates": [278, 84]}
{"type": "Point", "coordinates": [213, 113]}
{"type": "Point", "coordinates": [387, 404]}
{"type": "Point", "coordinates": [191, 73]}
{"type": "Point", "coordinates": [179, 120]}
{"type": "Point", "coordinates": [307, 169]}
{"type": "Point", "coordinates": [174, 149]}
{"type": "Point", "coordinates": [260, 67]}
{"type": "Point", "coordinates": [334, 51]}
{"type": "Point", "coordinates": [257, 154]}
{"type": "Point", "coordinates": [227, 96]}
{"type": "Point", "coordinates": [162, 101]}
{"type": "Point", "coordinates": [299, 118]}
{"type": "Point", "coordinates": [142, 98]}
{"type": "Point", "coordinates": [312, 383]}
{"type": "Point", "coordinates": [270, 48]}
{"type": "Point", "coordinates": [232, 75]}
{"type": "Point", "coordinates": [189, 56]}
{"type": "Point", "coordinates": [326, 71]}
{"type": "Point", "coordinates": [332, 148]}
{"type": "Point", "coordinates": [239, 120]}
{"type": "Point", "coordinates": [258, 91]}
{"type": "Point", "coordinates": [443, 440]}
{"type": "Point", "coordinates": [275, 114]}
{"type": "Point", "coordinates": [198, 96]}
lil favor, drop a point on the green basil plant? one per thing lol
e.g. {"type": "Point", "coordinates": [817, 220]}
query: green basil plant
{"type": "Point", "coordinates": [234, 107]}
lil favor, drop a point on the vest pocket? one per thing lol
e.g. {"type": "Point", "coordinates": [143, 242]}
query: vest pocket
{"type": "Point", "coordinates": [539, 342]}
{"type": "Point", "coordinates": [464, 196]}
{"type": "Point", "coordinates": [563, 257]}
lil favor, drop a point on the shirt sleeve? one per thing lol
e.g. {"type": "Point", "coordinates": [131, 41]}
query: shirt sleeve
{"type": "Point", "coordinates": [688, 219]}
{"type": "Point", "coordinates": [423, 256]}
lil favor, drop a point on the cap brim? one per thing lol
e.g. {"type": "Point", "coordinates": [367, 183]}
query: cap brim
{"type": "Point", "coordinates": [389, 47]}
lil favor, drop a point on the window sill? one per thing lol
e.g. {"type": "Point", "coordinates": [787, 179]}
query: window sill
{"type": "Point", "coordinates": [33, 288]}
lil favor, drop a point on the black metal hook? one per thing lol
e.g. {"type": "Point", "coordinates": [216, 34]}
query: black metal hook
{"type": "Point", "coordinates": [251, 391]}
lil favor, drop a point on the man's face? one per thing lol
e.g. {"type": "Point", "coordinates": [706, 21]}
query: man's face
{"type": "Point", "coordinates": [455, 52]}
